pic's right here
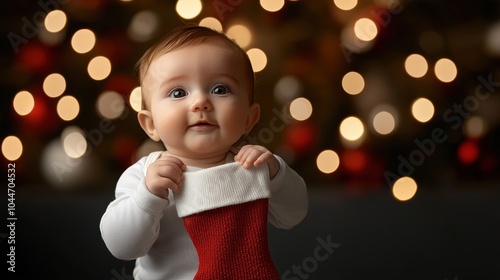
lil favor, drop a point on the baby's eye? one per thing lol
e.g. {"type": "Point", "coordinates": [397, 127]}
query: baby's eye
{"type": "Point", "coordinates": [220, 89]}
{"type": "Point", "coordinates": [178, 93]}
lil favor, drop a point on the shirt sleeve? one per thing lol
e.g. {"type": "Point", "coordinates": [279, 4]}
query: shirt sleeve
{"type": "Point", "coordinates": [131, 223]}
{"type": "Point", "coordinates": [289, 203]}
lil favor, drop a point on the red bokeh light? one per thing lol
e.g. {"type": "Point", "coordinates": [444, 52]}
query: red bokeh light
{"type": "Point", "coordinates": [468, 152]}
{"type": "Point", "coordinates": [354, 161]}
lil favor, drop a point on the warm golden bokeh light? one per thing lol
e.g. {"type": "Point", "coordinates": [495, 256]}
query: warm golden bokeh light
{"type": "Point", "coordinates": [365, 29]}
{"type": "Point", "coordinates": [404, 188]}
{"type": "Point", "coordinates": [475, 127]}
{"type": "Point", "coordinates": [68, 108]}
{"type": "Point", "coordinates": [83, 41]}
{"type": "Point", "coordinates": [55, 21]}
{"type": "Point", "coordinates": [188, 9]}
{"type": "Point", "coordinates": [351, 128]}
{"type": "Point", "coordinates": [23, 103]}
{"type": "Point", "coordinates": [345, 5]}
{"type": "Point", "coordinates": [142, 26]}
{"type": "Point", "coordinates": [353, 83]}
{"type": "Point", "coordinates": [422, 110]}
{"type": "Point", "coordinates": [135, 99]}
{"type": "Point", "coordinates": [241, 34]}
{"type": "Point", "coordinates": [12, 148]}
{"type": "Point", "coordinates": [211, 22]}
{"type": "Point", "coordinates": [272, 5]}
{"type": "Point", "coordinates": [287, 88]}
{"type": "Point", "coordinates": [328, 161]}
{"type": "Point", "coordinates": [74, 142]}
{"type": "Point", "coordinates": [99, 68]}
{"type": "Point", "coordinates": [445, 70]}
{"type": "Point", "coordinates": [110, 105]}
{"type": "Point", "coordinates": [301, 109]}
{"type": "Point", "coordinates": [258, 59]}
{"type": "Point", "coordinates": [384, 123]}
{"type": "Point", "coordinates": [54, 85]}
{"type": "Point", "coordinates": [416, 65]}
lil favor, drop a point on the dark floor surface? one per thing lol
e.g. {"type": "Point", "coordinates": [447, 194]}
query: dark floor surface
{"type": "Point", "coordinates": [438, 235]}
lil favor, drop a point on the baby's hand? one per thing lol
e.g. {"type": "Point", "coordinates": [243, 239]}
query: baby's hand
{"type": "Point", "coordinates": [255, 155]}
{"type": "Point", "coordinates": [163, 174]}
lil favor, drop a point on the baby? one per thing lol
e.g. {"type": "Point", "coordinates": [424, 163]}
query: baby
{"type": "Point", "coordinates": [199, 209]}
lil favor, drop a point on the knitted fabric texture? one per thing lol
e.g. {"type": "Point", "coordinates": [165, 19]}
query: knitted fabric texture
{"type": "Point", "coordinates": [225, 212]}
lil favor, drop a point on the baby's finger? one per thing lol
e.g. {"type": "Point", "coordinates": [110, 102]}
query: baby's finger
{"type": "Point", "coordinates": [241, 152]}
{"type": "Point", "coordinates": [172, 159]}
{"type": "Point", "coordinates": [250, 157]}
{"type": "Point", "coordinates": [263, 158]}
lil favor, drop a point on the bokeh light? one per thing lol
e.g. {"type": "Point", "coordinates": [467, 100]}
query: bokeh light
{"type": "Point", "coordinates": [64, 172]}
{"type": "Point", "coordinates": [23, 103]}
{"type": "Point", "coordinates": [188, 9]}
{"type": "Point", "coordinates": [351, 128]}
{"type": "Point", "coordinates": [211, 22]}
{"type": "Point", "coordinates": [353, 83]}
{"type": "Point", "coordinates": [445, 70]}
{"type": "Point", "coordinates": [287, 88]}
{"type": "Point", "coordinates": [468, 152]}
{"type": "Point", "coordinates": [74, 142]}
{"type": "Point", "coordinates": [83, 41]}
{"type": "Point", "coordinates": [352, 43]}
{"type": "Point", "coordinates": [384, 122]}
{"type": "Point", "coordinates": [258, 59]}
{"type": "Point", "coordinates": [416, 65]}
{"type": "Point", "coordinates": [475, 127]}
{"type": "Point", "coordinates": [110, 105]}
{"type": "Point", "coordinates": [54, 85]}
{"type": "Point", "coordinates": [301, 109]}
{"type": "Point", "coordinates": [404, 188]}
{"type": "Point", "coordinates": [328, 161]}
{"type": "Point", "coordinates": [12, 148]}
{"type": "Point", "coordinates": [492, 40]}
{"type": "Point", "coordinates": [135, 99]}
{"type": "Point", "coordinates": [241, 34]}
{"type": "Point", "coordinates": [365, 29]}
{"type": "Point", "coordinates": [422, 110]}
{"type": "Point", "coordinates": [68, 108]}
{"type": "Point", "coordinates": [272, 5]}
{"type": "Point", "coordinates": [345, 5]}
{"type": "Point", "coordinates": [55, 21]}
{"type": "Point", "coordinates": [99, 68]}
{"type": "Point", "coordinates": [143, 26]}
{"type": "Point", "coordinates": [354, 160]}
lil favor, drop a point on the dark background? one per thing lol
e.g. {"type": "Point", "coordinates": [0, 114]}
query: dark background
{"type": "Point", "coordinates": [449, 230]}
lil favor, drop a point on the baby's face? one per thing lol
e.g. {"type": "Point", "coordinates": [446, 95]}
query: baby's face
{"type": "Point", "coordinates": [199, 100]}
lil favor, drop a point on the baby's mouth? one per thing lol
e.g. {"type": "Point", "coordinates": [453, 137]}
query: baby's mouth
{"type": "Point", "coordinates": [202, 126]}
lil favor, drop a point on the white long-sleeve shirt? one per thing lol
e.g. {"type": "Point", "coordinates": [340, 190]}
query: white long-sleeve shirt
{"type": "Point", "coordinates": [139, 225]}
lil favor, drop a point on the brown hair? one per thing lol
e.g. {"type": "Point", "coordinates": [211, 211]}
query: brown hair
{"type": "Point", "coordinates": [190, 35]}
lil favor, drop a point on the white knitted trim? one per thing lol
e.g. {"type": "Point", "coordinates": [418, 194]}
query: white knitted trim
{"type": "Point", "coordinates": [219, 186]}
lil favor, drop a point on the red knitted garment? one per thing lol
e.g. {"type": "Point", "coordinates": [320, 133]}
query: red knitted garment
{"type": "Point", "coordinates": [231, 242]}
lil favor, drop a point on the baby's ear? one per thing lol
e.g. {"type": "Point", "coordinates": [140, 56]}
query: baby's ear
{"type": "Point", "coordinates": [253, 117]}
{"type": "Point", "coordinates": [147, 124]}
